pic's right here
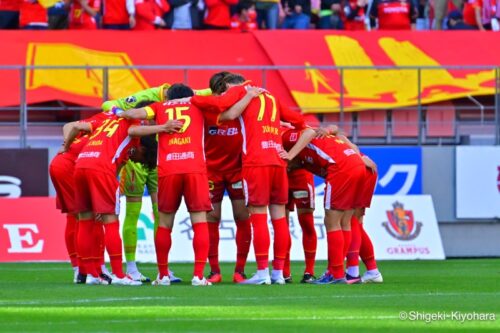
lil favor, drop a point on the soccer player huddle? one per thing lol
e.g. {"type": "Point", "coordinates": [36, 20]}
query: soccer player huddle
{"type": "Point", "coordinates": [234, 138]}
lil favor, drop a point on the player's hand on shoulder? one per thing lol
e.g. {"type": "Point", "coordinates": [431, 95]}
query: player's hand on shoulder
{"type": "Point", "coordinates": [254, 91]}
{"type": "Point", "coordinates": [323, 132]}
{"type": "Point", "coordinates": [172, 126]}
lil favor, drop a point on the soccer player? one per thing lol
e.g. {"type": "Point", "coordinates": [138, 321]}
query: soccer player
{"type": "Point", "coordinates": [223, 141]}
{"type": "Point", "coordinates": [97, 194]}
{"type": "Point", "coordinates": [301, 195]}
{"type": "Point", "coordinates": [61, 171]}
{"type": "Point", "coordinates": [361, 245]}
{"type": "Point", "coordinates": [181, 173]}
{"type": "Point", "coordinates": [264, 174]}
{"type": "Point", "coordinates": [344, 172]}
{"type": "Point", "coordinates": [134, 176]}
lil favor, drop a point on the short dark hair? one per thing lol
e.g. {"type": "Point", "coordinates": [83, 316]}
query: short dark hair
{"type": "Point", "coordinates": [217, 84]}
{"type": "Point", "coordinates": [179, 90]}
{"type": "Point", "coordinates": [234, 79]}
{"type": "Point", "coordinates": [244, 5]}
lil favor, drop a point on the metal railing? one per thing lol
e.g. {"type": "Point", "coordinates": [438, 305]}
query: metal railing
{"type": "Point", "coordinates": [341, 71]}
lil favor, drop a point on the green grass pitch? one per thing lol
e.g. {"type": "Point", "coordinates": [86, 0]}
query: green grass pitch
{"type": "Point", "coordinates": [41, 298]}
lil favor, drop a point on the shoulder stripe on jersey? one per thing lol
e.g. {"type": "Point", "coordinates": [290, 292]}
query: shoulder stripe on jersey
{"type": "Point", "coordinates": [320, 153]}
{"type": "Point", "coordinates": [243, 134]}
{"type": "Point", "coordinates": [150, 114]}
{"type": "Point", "coordinates": [120, 148]}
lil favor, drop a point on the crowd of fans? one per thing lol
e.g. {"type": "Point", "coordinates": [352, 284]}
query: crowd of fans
{"type": "Point", "coordinates": [247, 15]}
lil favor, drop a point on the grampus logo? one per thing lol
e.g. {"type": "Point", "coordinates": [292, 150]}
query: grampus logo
{"type": "Point", "coordinates": [401, 223]}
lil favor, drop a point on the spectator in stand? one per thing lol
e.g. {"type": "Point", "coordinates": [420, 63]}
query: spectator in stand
{"type": "Point", "coordinates": [118, 14]}
{"type": "Point", "coordinates": [456, 21]}
{"type": "Point", "coordinates": [331, 15]}
{"type": "Point", "coordinates": [218, 14]}
{"type": "Point", "coordinates": [183, 15]}
{"type": "Point", "coordinates": [473, 14]}
{"type": "Point", "coordinates": [298, 14]}
{"type": "Point", "coordinates": [354, 12]}
{"type": "Point", "coordinates": [245, 18]}
{"type": "Point", "coordinates": [268, 13]}
{"type": "Point", "coordinates": [394, 14]}
{"type": "Point", "coordinates": [58, 15]}
{"type": "Point", "coordinates": [441, 7]}
{"type": "Point", "coordinates": [149, 13]}
{"type": "Point", "coordinates": [84, 14]}
{"type": "Point", "coordinates": [33, 16]}
{"type": "Point", "coordinates": [9, 14]}
{"type": "Point", "coordinates": [422, 22]}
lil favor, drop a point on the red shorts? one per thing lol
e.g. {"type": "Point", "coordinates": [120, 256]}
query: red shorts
{"type": "Point", "coordinates": [230, 181]}
{"type": "Point", "coordinates": [343, 187]}
{"type": "Point", "coordinates": [97, 192]}
{"type": "Point", "coordinates": [366, 194]}
{"type": "Point", "coordinates": [61, 171]}
{"type": "Point", "coordinates": [194, 188]}
{"type": "Point", "coordinates": [300, 191]}
{"type": "Point", "coordinates": [265, 185]}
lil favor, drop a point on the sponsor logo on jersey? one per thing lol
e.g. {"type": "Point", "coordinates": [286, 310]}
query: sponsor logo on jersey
{"type": "Point", "coordinates": [131, 99]}
{"type": "Point", "coordinates": [402, 225]}
{"type": "Point", "coordinates": [237, 185]}
{"type": "Point", "coordinates": [300, 194]}
{"type": "Point", "coordinates": [225, 131]}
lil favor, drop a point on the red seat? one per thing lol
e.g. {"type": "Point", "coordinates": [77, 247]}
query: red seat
{"type": "Point", "coordinates": [335, 119]}
{"type": "Point", "coordinates": [372, 123]}
{"type": "Point", "coordinates": [440, 120]}
{"type": "Point", "coordinates": [405, 123]}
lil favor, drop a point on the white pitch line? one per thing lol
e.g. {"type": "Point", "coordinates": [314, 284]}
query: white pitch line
{"type": "Point", "coordinates": [173, 298]}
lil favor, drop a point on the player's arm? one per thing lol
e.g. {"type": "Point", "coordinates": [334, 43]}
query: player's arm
{"type": "Point", "coordinates": [71, 131]}
{"type": "Point", "coordinates": [342, 137]}
{"type": "Point", "coordinates": [323, 132]}
{"type": "Point", "coordinates": [237, 109]}
{"type": "Point", "coordinates": [306, 136]}
{"type": "Point", "coordinates": [170, 127]}
{"type": "Point", "coordinates": [141, 114]}
{"type": "Point", "coordinates": [220, 102]}
{"type": "Point", "coordinates": [294, 118]}
{"type": "Point", "coordinates": [148, 95]}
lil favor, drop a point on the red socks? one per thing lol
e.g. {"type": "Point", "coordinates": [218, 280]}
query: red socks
{"type": "Point", "coordinates": [366, 250]}
{"type": "Point", "coordinates": [163, 242]}
{"type": "Point", "coordinates": [200, 246]}
{"type": "Point", "coordinates": [213, 250]}
{"type": "Point", "coordinates": [309, 240]}
{"type": "Point", "coordinates": [113, 243]}
{"type": "Point", "coordinates": [98, 241]}
{"type": "Point", "coordinates": [261, 240]}
{"type": "Point", "coordinates": [347, 242]}
{"type": "Point", "coordinates": [243, 240]}
{"type": "Point", "coordinates": [335, 241]}
{"type": "Point", "coordinates": [70, 238]}
{"type": "Point", "coordinates": [282, 241]}
{"type": "Point", "coordinates": [353, 252]}
{"type": "Point", "coordinates": [85, 244]}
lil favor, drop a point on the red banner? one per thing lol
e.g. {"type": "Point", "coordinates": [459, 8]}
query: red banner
{"type": "Point", "coordinates": [315, 90]}
{"type": "Point", "coordinates": [31, 229]}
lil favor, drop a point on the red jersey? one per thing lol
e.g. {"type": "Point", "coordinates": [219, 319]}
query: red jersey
{"type": "Point", "coordinates": [146, 12]}
{"type": "Point", "coordinates": [223, 143]}
{"type": "Point", "coordinates": [182, 152]}
{"type": "Point", "coordinates": [32, 13]}
{"type": "Point", "coordinates": [470, 11]}
{"type": "Point", "coordinates": [239, 25]}
{"type": "Point", "coordinates": [108, 145]}
{"type": "Point", "coordinates": [260, 124]}
{"type": "Point", "coordinates": [218, 13]}
{"type": "Point", "coordinates": [393, 14]}
{"type": "Point", "coordinates": [115, 12]}
{"type": "Point", "coordinates": [321, 154]}
{"type": "Point", "coordinates": [354, 16]}
{"type": "Point", "coordinates": [80, 19]}
{"type": "Point", "coordinates": [10, 5]}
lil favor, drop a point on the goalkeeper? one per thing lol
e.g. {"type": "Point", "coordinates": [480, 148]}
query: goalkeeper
{"type": "Point", "coordinates": [134, 176]}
